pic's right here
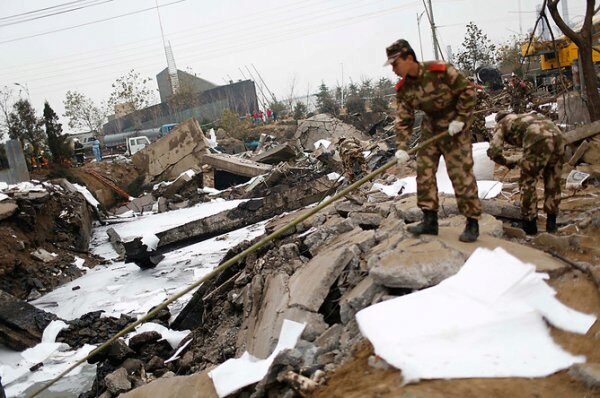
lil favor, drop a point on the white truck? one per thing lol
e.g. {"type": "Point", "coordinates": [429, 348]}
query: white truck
{"type": "Point", "coordinates": [135, 144]}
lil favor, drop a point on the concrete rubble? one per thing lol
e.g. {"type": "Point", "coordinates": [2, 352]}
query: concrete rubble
{"type": "Point", "coordinates": [321, 272]}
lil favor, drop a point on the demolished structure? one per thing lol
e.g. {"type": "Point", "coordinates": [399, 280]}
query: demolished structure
{"type": "Point", "coordinates": [300, 315]}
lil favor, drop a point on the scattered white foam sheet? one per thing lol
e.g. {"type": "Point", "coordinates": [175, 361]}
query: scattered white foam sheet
{"type": "Point", "coordinates": [87, 195]}
{"type": "Point", "coordinates": [237, 373]}
{"type": "Point", "coordinates": [485, 321]}
{"type": "Point", "coordinates": [483, 169]}
{"type": "Point", "coordinates": [324, 143]}
{"type": "Point", "coordinates": [173, 337]}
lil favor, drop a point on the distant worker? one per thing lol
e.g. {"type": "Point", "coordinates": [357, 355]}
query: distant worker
{"type": "Point", "coordinates": [261, 117]}
{"type": "Point", "coordinates": [479, 132]}
{"type": "Point", "coordinates": [543, 153]}
{"type": "Point", "coordinates": [519, 92]}
{"type": "Point", "coordinates": [255, 117]}
{"type": "Point", "coordinates": [353, 160]}
{"type": "Point", "coordinates": [448, 99]}
{"type": "Point", "coordinates": [79, 152]}
{"type": "Point", "coordinates": [269, 114]}
{"type": "Point", "coordinates": [96, 149]}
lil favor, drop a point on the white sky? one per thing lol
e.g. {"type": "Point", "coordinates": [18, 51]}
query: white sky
{"type": "Point", "coordinates": [308, 40]}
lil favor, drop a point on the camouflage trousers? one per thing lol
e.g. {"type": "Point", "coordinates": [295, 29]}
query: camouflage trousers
{"type": "Point", "coordinates": [353, 161]}
{"type": "Point", "coordinates": [459, 163]}
{"type": "Point", "coordinates": [545, 157]}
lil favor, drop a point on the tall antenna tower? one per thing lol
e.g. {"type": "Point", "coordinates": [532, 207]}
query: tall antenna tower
{"type": "Point", "coordinates": [171, 67]}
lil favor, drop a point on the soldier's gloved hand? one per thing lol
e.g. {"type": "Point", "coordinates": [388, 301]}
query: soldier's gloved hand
{"type": "Point", "coordinates": [402, 156]}
{"type": "Point", "coordinates": [455, 127]}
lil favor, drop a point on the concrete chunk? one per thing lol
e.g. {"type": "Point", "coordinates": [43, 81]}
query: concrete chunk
{"type": "Point", "coordinates": [235, 165]}
{"type": "Point", "coordinates": [310, 284]}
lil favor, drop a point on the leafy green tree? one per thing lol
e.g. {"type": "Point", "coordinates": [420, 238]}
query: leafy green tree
{"type": "Point", "coordinates": [380, 104]}
{"type": "Point", "coordinates": [83, 113]}
{"type": "Point", "coordinates": [299, 110]}
{"type": "Point", "coordinates": [57, 142]}
{"type": "Point", "coordinates": [233, 125]}
{"type": "Point", "coordinates": [279, 108]}
{"type": "Point", "coordinates": [355, 104]}
{"type": "Point", "coordinates": [508, 56]}
{"type": "Point", "coordinates": [25, 126]}
{"type": "Point", "coordinates": [325, 101]}
{"type": "Point", "coordinates": [477, 50]}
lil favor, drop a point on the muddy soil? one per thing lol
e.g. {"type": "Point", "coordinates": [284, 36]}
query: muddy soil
{"type": "Point", "coordinates": [357, 379]}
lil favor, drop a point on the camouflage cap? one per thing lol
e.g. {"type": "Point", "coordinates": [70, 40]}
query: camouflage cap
{"type": "Point", "coordinates": [398, 48]}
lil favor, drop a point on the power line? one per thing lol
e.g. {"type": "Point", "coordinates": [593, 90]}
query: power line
{"type": "Point", "coordinates": [89, 23]}
{"type": "Point", "coordinates": [268, 40]}
{"type": "Point", "coordinates": [95, 3]}
{"type": "Point", "coordinates": [192, 42]}
{"type": "Point", "coordinates": [206, 27]}
{"type": "Point", "coordinates": [42, 9]}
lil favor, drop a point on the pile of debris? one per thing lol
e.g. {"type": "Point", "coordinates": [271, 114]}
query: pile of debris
{"type": "Point", "coordinates": [44, 229]}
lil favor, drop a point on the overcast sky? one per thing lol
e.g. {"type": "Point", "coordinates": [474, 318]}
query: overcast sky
{"type": "Point", "coordinates": [302, 40]}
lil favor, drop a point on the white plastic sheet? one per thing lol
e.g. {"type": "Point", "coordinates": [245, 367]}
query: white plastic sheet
{"type": "Point", "coordinates": [238, 373]}
{"type": "Point", "coordinates": [485, 321]}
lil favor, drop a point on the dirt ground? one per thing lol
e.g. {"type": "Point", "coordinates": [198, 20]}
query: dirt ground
{"type": "Point", "coordinates": [357, 379]}
{"type": "Point", "coordinates": [40, 225]}
{"type": "Point", "coordinates": [120, 173]}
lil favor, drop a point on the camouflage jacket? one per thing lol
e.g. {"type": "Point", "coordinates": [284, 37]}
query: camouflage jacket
{"type": "Point", "coordinates": [523, 131]}
{"type": "Point", "coordinates": [440, 91]}
{"type": "Point", "coordinates": [349, 146]}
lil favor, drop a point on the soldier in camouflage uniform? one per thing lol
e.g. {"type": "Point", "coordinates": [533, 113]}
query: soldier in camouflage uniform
{"type": "Point", "coordinates": [351, 152]}
{"type": "Point", "coordinates": [543, 153]}
{"type": "Point", "coordinates": [447, 99]}
{"type": "Point", "coordinates": [478, 129]}
{"type": "Point", "coordinates": [519, 92]}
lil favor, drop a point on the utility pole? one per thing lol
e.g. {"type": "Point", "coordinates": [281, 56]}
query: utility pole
{"type": "Point", "coordinates": [419, 16]}
{"type": "Point", "coordinates": [342, 83]}
{"type": "Point", "coordinates": [265, 84]}
{"type": "Point", "coordinates": [433, 33]}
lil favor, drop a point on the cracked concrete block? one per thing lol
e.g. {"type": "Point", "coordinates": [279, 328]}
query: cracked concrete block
{"type": "Point", "coordinates": [330, 339]}
{"type": "Point", "coordinates": [117, 381]}
{"type": "Point", "coordinates": [358, 298]}
{"type": "Point", "coordinates": [366, 220]}
{"type": "Point", "coordinates": [416, 264]}
{"type": "Point", "coordinates": [310, 284]}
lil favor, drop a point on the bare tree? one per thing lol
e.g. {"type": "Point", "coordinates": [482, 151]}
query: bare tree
{"type": "Point", "coordinates": [290, 100]}
{"type": "Point", "coordinates": [83, 113]}
{"type": "Point", "coordinates": [583, 40]}
{"type": "Point", "coordinates": [7, 99]}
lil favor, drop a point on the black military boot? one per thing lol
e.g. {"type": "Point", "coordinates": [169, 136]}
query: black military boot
{"type": "Point", "coordinates": [429, 225]}
{"type": "Point", "coordinates": [471, 231]}
{"type": "Point", "coordinates": [551, 223]}
{"type": "Point", "coordinates": [530, 226]}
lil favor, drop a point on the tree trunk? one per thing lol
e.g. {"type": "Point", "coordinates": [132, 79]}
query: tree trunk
{"type": "Point", "coordinates": [591, 82]}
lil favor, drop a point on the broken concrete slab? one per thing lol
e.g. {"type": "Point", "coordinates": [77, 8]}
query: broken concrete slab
{"type": "Point", "coordinates": [421, 262]}
{"type": "Point", "coordinates": [198, 385]}
{"type": "Point", "coordinates": [310, 285]}
{"type": "Point", "coordinates": [582, 132]}
{"type": "Point", "coordinates": [21, 324]}
{"type": "Point", "coordinates": [324, 126]}
{"type": "Point", "coordinates": [275, 155]}
{"type": "Point", "coordinates": [117, 381]}
{"type": "Point", "coordinates": [358, 298]}
{"type": "Point", "coordinates": [415, 264]}
{"type": "Point", "coordinates": [176, 152]}
{"type": "Point", "coordinates": [246, 213]}
{"type": "Point", "coordinates": [235, 165]}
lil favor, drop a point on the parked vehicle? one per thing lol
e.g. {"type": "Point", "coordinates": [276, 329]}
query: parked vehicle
{"type": "Point", "coordinates": [115, 141]}
{"type": "Point", "coordinates": [136, 144]}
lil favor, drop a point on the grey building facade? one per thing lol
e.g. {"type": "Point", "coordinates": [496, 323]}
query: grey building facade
{"type": "Point", "coordinates": [187, 82]}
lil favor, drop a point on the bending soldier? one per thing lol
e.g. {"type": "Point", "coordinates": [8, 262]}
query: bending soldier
{"type": "Point", "coordinates": [447, 99]}
{"type": "Point", "coordinates": [543, 153]}
{"type": "Point", "coordinates": [353, 161]}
